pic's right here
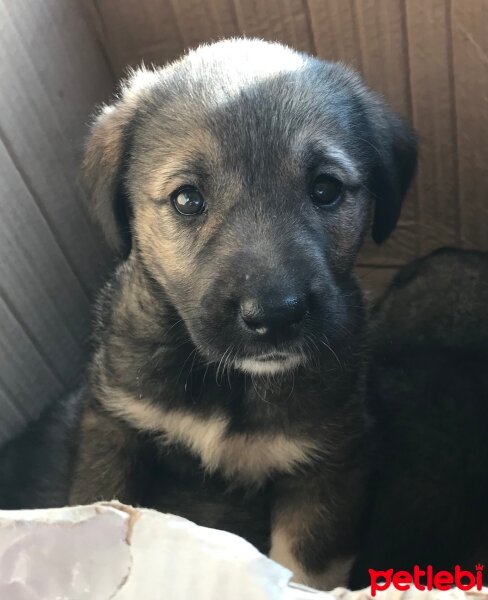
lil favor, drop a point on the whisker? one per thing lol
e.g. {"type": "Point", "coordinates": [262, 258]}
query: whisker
{"type": "Point", "coordinates": [323, 340]}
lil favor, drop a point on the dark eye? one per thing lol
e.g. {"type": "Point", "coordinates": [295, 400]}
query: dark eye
{"type": "Point", "coordinates": [188, 201]}
{"type": "Point", "coordinates": [326, 190]}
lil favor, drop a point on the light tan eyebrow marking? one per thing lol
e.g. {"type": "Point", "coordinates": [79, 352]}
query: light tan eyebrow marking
{"type": "Point", "coordinates": [332, 154]}
{"type": "Point", "coordinates": [179, 164]}
{"type": "Point", "coordinates": [344, 162]}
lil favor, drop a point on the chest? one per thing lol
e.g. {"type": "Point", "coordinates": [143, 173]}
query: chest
{"type": "Point", "coordinates": [248, 456]}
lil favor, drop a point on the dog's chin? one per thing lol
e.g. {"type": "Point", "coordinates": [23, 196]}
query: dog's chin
{"type": "Point", "coordinates": [269, 364]}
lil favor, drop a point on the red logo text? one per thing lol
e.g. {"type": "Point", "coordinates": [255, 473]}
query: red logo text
{"type": "Point", "coordinates": [426, 579]}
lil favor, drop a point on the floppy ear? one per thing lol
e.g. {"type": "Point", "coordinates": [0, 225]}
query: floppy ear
{"type": "Point", "coordinates": [396, 146]}
{"type": "Point", "coordinates": [106, 160]}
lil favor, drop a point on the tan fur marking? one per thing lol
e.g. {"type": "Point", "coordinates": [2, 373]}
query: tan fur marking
{"type": "Point", "coordinates": [164, 178]}
{"type": "Point", "coordinates": [164, 250]}
{"type": "Point", "coordinates": [335, 575]}
{"type": "Point", "coordinates": [250, 457]}
{"type": "Point", "coordinates": [281, 553]}
{"type": "Point", "coordinates": [159, 235]}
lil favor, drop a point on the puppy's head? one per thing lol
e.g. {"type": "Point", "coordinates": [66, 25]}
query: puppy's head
{"type": "Point", "coordinates": [242, 178]}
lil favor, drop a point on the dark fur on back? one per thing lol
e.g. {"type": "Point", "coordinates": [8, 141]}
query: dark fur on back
{"type": "Point", "coordinates": [189, 407]}
{"type": "Point", "coordinates": [429, 395]}
{"type": "Point", "coordinates": [35, 466]}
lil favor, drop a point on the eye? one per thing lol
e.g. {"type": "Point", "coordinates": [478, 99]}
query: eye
{"type": "Point", "coordinates": [326, 190]}
{"type": "Point", "coordinates": [188, 201]}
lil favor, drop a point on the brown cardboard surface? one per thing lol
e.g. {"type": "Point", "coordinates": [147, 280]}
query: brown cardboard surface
{"type": "Point", "coordinates": [429, 58]}
{"type": "Point", "coordinates": [470, 56]}
{"type": "Point", "coordinates": [334, 31]}
{"type": "Point", "coordinates": [434, 116]}
{"type": "Point", "coordinates": [137, 30]}
{"type": "Point", "coordinates": [284, 20]}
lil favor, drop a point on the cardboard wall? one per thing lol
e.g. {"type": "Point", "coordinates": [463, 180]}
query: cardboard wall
{"type": "Point", "coordinates": [429, 58]}
{"type": "Point", "coordinates": [52, 73]}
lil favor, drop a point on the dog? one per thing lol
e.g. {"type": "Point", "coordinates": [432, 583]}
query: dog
{"type": "Point", "coordinates": [428, 392]}
{"type": "Point", "coordinates": [227, 383]}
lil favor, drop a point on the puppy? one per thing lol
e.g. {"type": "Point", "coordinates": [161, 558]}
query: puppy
{"type": "Point", "coordinates": [429, 395]}
{"type": "Point", "coordinates": [227, 383]}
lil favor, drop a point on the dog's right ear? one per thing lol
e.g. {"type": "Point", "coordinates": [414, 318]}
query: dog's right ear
{"type": "Point", "coordinates": [106, 159]}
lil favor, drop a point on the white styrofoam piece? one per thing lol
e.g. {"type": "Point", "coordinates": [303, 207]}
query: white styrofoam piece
{"type": "Point", "coordinates": [109, 551]}
{"type": "Point", "coordinates": [112, 552]}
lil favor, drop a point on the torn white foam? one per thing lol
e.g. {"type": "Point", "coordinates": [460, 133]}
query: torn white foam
{"type": "Point", "coordinates": [109, 551]}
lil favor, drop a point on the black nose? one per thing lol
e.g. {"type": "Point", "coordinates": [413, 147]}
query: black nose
{"type": "Point", "coordinates": [273, 315]}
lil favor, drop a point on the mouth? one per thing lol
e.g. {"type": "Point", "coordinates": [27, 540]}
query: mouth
{"type": "Point", "coordinates": [278, 356]}
{"type": "Point", "coordinates": [269, 364]}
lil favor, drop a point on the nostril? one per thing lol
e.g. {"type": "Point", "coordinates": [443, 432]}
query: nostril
{"type": "Point", "coordinates": [276, 314]}
{"type": "Point", "coordinates": [253, 316]}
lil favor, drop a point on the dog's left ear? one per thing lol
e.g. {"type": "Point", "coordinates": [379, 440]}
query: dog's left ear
{"type": "Point", "coordinates": [395, 147]}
